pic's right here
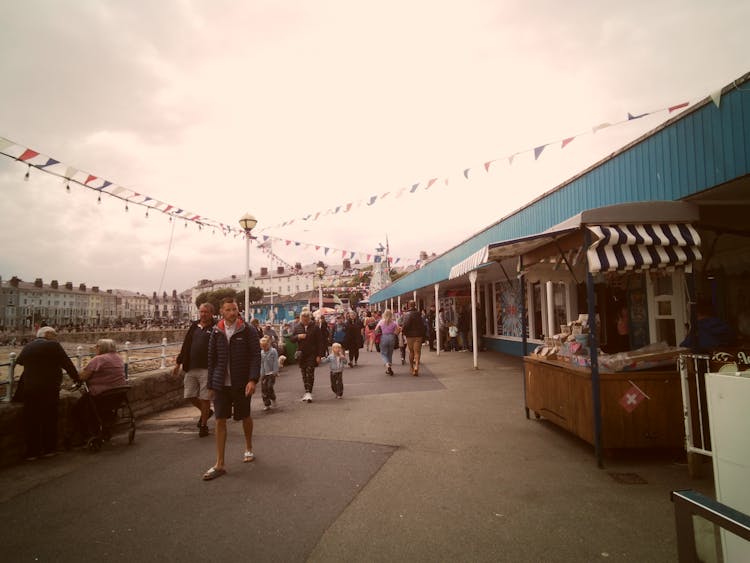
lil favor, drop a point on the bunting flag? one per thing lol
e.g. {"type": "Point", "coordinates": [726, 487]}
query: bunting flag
{"type": "Point", "coordinates": [71, 174]}
{"type": "Point", "coordinates": [716, 97]}
{"type": "Point", "coordinates": [678, 106]}
{"type": "Point", "coordinates": [27, 154]}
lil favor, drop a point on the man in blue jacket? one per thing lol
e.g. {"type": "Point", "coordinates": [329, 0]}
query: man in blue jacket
{"type": "Point", "coordinates": [233, 372]}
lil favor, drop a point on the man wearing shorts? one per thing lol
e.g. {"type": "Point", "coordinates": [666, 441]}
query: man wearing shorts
{"type": "Point", "coordinates": [233, 372]}
{"type": "Point", "coordinates": [193, 359]}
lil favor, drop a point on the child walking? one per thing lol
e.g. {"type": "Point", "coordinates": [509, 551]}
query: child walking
{"type": "Point", "coordinates": [269, 369]}
{"type": "Point", "coordinates": [337, 360]}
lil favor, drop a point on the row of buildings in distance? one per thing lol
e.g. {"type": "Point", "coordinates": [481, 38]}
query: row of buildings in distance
{"type": "Point", "coordinates": [25, 305]}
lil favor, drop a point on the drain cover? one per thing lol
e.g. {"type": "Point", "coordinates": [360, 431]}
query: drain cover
{"type": "Point", "coordinates": [628, 478]}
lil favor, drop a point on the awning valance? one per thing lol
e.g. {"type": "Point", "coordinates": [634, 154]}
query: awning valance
{"type": "Point", "coordinates": [468, 264]}
{"type": "Point", "coordinates": [642, 246]}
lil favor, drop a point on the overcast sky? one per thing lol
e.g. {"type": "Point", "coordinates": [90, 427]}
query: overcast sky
{"type": "Point", "coordinates": [288, 108]}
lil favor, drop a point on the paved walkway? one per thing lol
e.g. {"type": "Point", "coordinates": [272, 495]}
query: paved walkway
{"type": "Point", "coordinates": [436, 468]}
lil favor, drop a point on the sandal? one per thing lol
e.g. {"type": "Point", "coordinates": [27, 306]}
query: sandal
{"type": "Point", "coordinates": [248, 457]}
{"type": "Point", "coordinates": [213, 473]}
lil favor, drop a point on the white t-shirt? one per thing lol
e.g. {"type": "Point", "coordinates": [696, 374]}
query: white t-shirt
{"type": "Point", "coordinates": [229, 330]}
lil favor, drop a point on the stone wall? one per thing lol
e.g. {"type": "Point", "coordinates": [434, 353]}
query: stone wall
{"type": "Point", "coordinates": [150, 392]}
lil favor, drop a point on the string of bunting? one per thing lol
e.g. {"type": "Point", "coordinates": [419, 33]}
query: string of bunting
{"type": "Point", "coordinates": [34, 159]}
{"type": "Point", "coordinates": [70, 174]}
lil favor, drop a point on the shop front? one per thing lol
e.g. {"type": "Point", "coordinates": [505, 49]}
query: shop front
{"type": "Point", "coordinates": [601, 303]}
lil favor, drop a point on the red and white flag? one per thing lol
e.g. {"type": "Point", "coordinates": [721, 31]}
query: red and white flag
{"type": "Point", "coordinates": [632, 397]}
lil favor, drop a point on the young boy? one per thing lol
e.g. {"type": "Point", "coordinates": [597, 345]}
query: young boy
{"type": "Point", "coordinates": [453, 338]}
{"type": "Point", "coordinates": [269, 369]}
{"type": "Point", "coordinates": [337, 360]}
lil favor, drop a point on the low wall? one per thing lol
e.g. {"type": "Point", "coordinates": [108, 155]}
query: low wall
{"type": "Point", "coordinates": [150, 392]}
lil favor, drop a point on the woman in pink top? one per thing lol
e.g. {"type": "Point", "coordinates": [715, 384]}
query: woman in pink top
{"type": "Point", "coordinates": [105, 371]}
{"type": "Point", "coordinates": [389, 330]}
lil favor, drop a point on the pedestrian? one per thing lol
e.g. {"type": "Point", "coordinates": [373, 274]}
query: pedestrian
{"type": "Point", "coordinates": [464, 330]}
{"type": "Point", "coordinates": [452, 344]}
{"type": "Point", "coordinates": [325, 334]}
{"type": "Point", "coordinates": [354, 337]}
{"type": "Point", "coordinates": [414, 331]}
{"type": "Point", "coordinates": [339, 331]}
{"type": "Point", "coordinates": [105, 371]}
{"type": "Point", "coordinates": [233, 373]}
{"type": "Point", "coordinates": [39, 388]}
{"type": "Point", "coordinates": [337, 362]}
{"type": "Point", "coordinates": [388, 330]}
{"type": "Point", "coordinates": [432, 334]}
{"type": "Point", "coordinates": [370, 324]}
{"type": "Point", "coordinates": [269, 369]}
{"type": "Point", "coordinates": [310, 348]}
{"type": "Point", "coordinates": [193, 360]}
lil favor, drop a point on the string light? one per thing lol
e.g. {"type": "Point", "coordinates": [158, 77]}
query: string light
{"type": "Point", "coordinates": [99, 198]}
{"type": "Point", "coordinates": [126, 207]}
{"type": "Point", "coordinates": [28, 172]}
{"type": "Point", "coordinates": [147, 213]}
{"type": "Point", "coordinates": [67, 186]}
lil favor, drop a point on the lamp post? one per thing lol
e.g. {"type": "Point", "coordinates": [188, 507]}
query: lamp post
{"type": "Point", "coordinates": [247, 222]}
{"type": "Point", "coordinates": [320, 271]}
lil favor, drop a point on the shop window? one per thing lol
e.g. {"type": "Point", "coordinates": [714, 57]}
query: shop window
{"type": "Point", "coordinates": [559, 305]}
{"type": "Point", "coordinates": [667, 301]}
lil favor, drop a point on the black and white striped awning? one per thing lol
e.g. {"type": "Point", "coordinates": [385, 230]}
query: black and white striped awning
{"type": "Point", "coordinates": [642, 246]}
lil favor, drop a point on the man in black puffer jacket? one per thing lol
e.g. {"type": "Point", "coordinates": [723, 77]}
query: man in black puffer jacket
{"type": "Point", "coordinates": [233, 372]}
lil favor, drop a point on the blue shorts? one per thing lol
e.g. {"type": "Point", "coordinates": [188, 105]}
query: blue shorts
{"type": "Point", "coordinates": [228, 401]}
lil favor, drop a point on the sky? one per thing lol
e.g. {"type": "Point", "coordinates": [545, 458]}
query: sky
{"type": "Point", "coordinates": [286, 109]}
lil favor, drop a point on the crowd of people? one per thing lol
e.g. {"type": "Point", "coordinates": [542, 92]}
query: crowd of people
{"type": "Point", "coordinates": [222, 361]}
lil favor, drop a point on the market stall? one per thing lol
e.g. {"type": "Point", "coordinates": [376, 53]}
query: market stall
{"type": "Point", "coordinates": [608, 372]}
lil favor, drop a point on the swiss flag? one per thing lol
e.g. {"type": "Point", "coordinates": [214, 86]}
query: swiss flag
{"type": "Point", "coordinates": [632, 398]}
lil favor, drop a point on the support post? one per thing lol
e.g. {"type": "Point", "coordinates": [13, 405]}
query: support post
{"type": "Point", "coordinates": [594, 351]}
{"type": "Point", "coordinates": [437, 318]}
{"type": "Point", "coordinates": [474, 347]}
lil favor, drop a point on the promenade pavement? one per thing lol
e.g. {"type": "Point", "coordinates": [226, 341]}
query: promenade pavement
{"type": "Point", "coordinates": [441, 467]}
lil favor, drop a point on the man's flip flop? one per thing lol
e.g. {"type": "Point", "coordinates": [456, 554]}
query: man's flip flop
{"type": "Point", "coordinates": [213, 473]}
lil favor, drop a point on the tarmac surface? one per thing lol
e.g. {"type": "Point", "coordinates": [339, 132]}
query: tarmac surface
{"type": "Point", "coordinates": [440, 467]}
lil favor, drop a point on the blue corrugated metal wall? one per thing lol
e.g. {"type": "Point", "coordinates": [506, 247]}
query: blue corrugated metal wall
{"type": "Point", "coordinates": [702, 149]}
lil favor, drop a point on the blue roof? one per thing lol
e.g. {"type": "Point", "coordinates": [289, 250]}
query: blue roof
{"type": "Point", "coordinates": [703, 147]}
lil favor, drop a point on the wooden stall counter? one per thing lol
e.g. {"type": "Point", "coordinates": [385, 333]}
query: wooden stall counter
{"type": "Point", "coordinates": [561, 393]}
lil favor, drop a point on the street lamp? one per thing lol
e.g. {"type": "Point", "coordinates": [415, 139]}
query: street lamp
{"type": "Point", "coordinates": [247, 222]}
{"type": "Point", "coordinates": [320, 271]}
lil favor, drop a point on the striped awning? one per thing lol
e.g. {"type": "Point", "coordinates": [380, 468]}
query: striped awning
{"type": "Point", "coordinates": [642, 246]}
{"type": "Point", "coordinates": [468, 264]}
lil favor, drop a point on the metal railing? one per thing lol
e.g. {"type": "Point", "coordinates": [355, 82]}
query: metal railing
{"type": "Point", "coordinates": [691, 503]}
{"type": "Point", "coordinates": [10, 380]}
{"type": "Point", "coordinates": [693, 369]}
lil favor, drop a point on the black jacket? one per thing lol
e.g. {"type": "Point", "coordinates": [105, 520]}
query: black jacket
{"type": "Point", "coordinates": [312, 345]}
{"type": "Point", "coordinates": [43, 361]}
{"type": "Point", "coordinates": [241, 354]}
{"type": "Point", "coordinates": [413, 324]}
{"type": "Point", "coordinates": [184, 356]}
